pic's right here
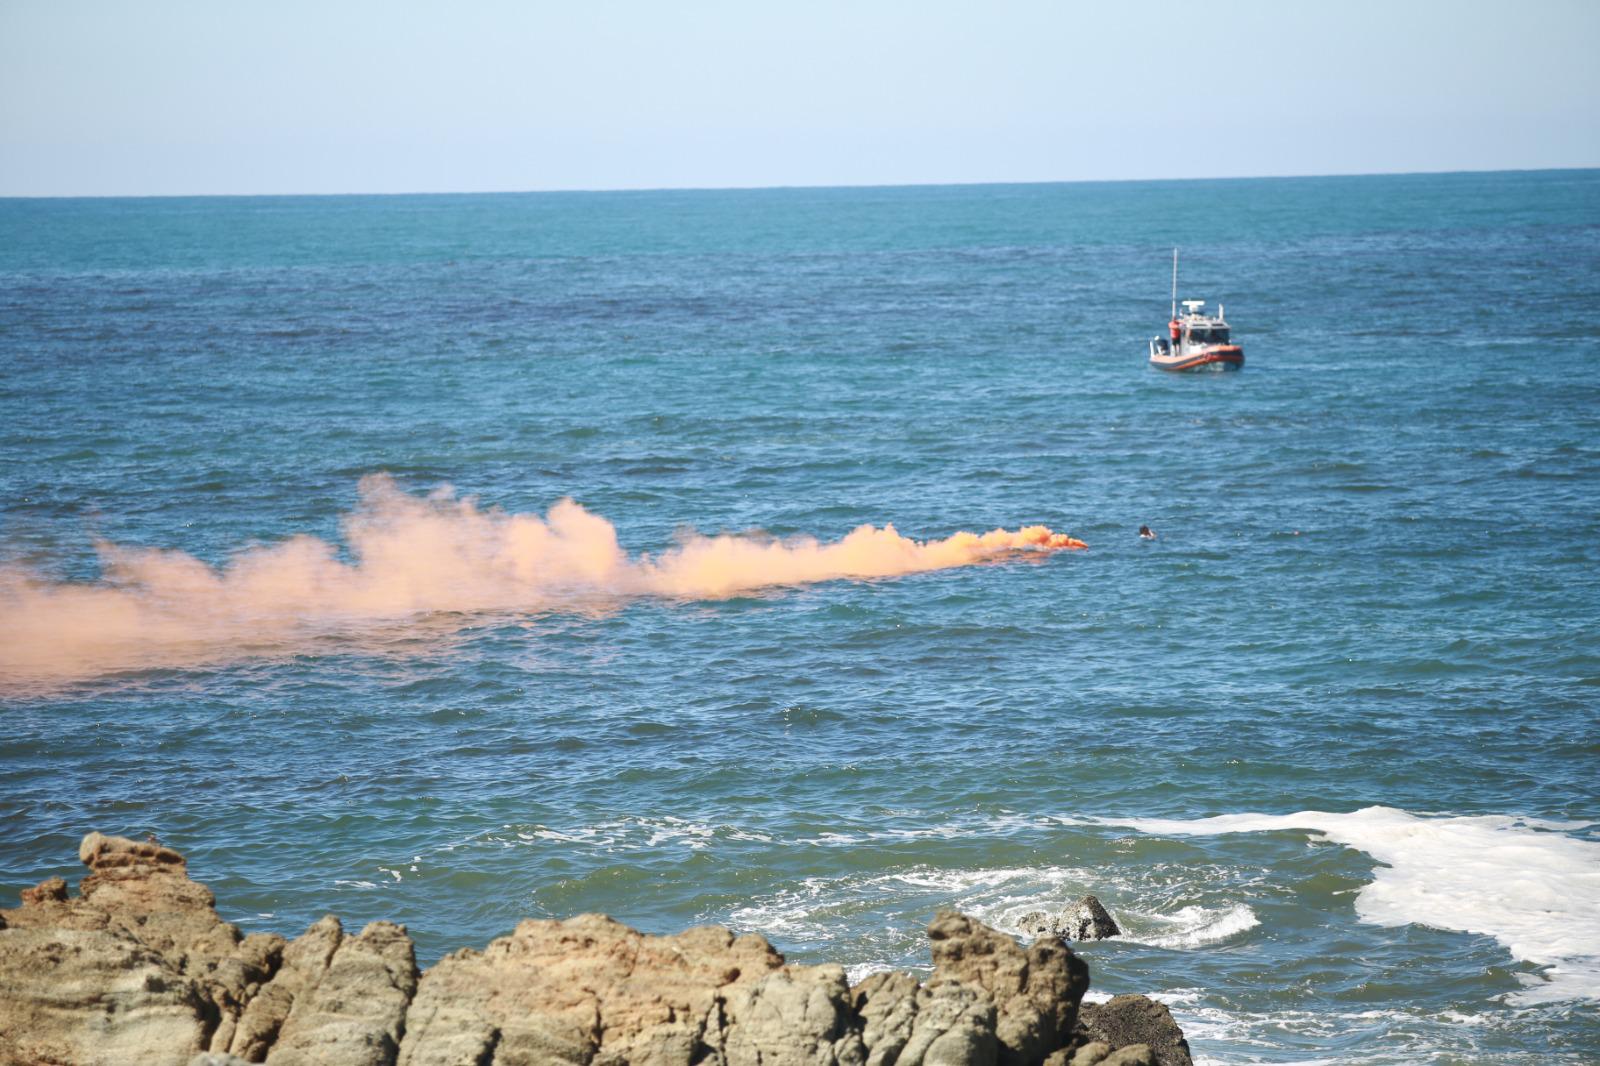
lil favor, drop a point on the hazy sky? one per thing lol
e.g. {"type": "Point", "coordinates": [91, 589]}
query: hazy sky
{"type": "Point", "coordinates": [166, 96]}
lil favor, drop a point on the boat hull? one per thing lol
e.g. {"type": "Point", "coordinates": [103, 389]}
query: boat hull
{"type": "Point", "coordinates": [1215, 358]}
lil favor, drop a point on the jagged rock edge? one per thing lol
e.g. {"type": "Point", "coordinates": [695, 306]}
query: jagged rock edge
{"type": "Point", "coordinates": [162, 979]}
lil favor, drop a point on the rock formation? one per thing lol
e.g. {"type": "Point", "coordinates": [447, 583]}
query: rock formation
{"type": "Point", "coordinates": [1135, 1020]}
{"type": "Point", "coordinates": [138, 969]}
{"type": "Point", "coordinates": [1086, 919]}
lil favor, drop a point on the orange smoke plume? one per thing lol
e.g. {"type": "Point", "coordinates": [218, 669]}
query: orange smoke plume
{"type": "Point", "coordinates": [415, 556]}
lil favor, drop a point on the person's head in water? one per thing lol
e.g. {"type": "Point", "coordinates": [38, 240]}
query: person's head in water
{"type": "Point", "coordinates": [1147, 533]}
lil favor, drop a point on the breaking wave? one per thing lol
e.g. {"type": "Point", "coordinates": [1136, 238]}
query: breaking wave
{"type": "Point", "coordinates": [1528, 883]}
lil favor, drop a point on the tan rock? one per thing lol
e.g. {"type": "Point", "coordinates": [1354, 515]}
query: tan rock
{"type": "Point", "coordinates": [587, 989]}
{"type": "Point", "coordinates": [336, 999]}
{"type": "Point", "coordinates": [304, 961]}
{"type": "Point", "coordinates": [795, 1016]}
{"type": "Point", "coordinates": [141, 961]}
{"type": "Point", "coordinates": [138, 969]}
{"type": "Point", "coordinates": [91, 997]}
{"type": "Point", "coordinates": [52, 890]}
{"type": "Point", "coordinates": [1035, 990]}
{"type": "Point", "coordinates": [886, 1003]}
{"type": "Point", "coordinates": [1091, 1053]}
{"type": "Point", "coordinates": [352, 1010]}
{"type": "Point", "coordinates": [955, 1027]}
{"type": "Point", "coordinates": [905, 1023]}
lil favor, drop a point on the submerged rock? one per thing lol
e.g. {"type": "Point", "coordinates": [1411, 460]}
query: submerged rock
{"type": "Point", "coordinates": [138, 969]}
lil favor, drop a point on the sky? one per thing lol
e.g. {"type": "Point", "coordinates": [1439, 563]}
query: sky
{"type": "Point", "coordinates": [175, 97]}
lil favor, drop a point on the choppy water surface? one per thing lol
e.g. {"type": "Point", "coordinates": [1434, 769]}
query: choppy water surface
{"type": "Point", "coordinates": [1326, 747]}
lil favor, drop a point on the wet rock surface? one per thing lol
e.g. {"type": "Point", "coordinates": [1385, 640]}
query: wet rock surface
{"type": "Point", "coordinates": [1086, 919]}
{"type": "Point", "coordinates": [138, 968]}
{"type": "Point", "coordinates": [1128, 1020]}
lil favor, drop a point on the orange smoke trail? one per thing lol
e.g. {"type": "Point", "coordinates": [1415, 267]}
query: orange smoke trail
{"type": "Point", "coordinates": [414, 556]}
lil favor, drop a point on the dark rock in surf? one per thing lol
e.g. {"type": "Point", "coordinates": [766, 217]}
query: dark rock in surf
{"type": "Point", "coordinates": [1124, 1021]}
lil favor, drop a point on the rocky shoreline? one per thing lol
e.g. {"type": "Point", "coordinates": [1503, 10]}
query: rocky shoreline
{"type": "Point", "coordinates": [139, 969]}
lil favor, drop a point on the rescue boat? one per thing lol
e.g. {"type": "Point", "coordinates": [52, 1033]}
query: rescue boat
{"type": "Point", "coordinates": [1195, 340]}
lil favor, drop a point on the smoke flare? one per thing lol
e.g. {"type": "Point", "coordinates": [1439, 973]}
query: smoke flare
{"type": "Point", "coordinates": [414, 556]}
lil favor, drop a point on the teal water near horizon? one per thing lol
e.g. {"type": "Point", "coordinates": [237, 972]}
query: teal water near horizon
{"type": "Point", "coordinates": [1326, 747]}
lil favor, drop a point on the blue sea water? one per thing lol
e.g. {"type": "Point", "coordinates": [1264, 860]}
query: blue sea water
{"type": "Point", "coordinates": [1327, 747]}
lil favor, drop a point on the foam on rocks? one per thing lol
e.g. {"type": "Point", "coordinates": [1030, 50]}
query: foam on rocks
{"type": "Point", "coordinates": [1086, 919]}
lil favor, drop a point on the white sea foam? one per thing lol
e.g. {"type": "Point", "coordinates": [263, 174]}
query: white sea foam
{"type": "Point", "coordinates": [627, 834]}
{"type": "Point", "coordinates": [858, 972]}
{"type": "Point", "coordinates": [811, 909]}
{"type": "Point", "coordinates": [1194, 926]}
{"type": "Point", "coordinates": [1394, 1036]}
{"type": "Point", "coordinates": [815, 908]}
{"type": "Point", "coordinates": [1529, 884]}
{"type": "Point", "coordinates": [833, 838]}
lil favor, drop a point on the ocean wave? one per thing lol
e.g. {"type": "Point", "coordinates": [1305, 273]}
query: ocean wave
{"type": "Point", "coordinates": [1526, 882]}
{"type": "Point", "coordinates": [1392, 1036]}
{"type": "Point", "coordinates": [1192, 926]}
{"type": "Point", "coordinates": [632, 833]}
{"type": "Point", "coordinates": [815, 909]}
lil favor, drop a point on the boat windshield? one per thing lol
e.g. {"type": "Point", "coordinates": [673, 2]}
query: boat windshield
{"type": "Point", "coordinates": [1208, 335]}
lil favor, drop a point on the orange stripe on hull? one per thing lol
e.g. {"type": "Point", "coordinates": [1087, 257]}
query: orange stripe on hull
{"type": "Point", "coordinates": [1232, 355]}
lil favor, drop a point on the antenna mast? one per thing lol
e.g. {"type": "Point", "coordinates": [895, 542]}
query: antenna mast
{"type": "Point", "coordinates": [1174, 282]}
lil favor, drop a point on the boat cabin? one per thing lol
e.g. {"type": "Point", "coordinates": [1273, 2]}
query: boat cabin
{"type": "Point", "coordinates": [1209, 333]}
{"type": "Point", "coordinates": [1201, 328]}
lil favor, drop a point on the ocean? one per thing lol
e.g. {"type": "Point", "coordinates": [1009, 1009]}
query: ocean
{"type": "Point", "coordinates": [286, 577]}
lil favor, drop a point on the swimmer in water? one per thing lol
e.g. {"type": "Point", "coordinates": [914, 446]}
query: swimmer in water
{"type": "Point", "coordinates": [1146, 533]}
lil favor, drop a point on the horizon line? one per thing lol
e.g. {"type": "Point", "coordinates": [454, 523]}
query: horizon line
{"type": "Point", "coordinates": [789, 186]}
